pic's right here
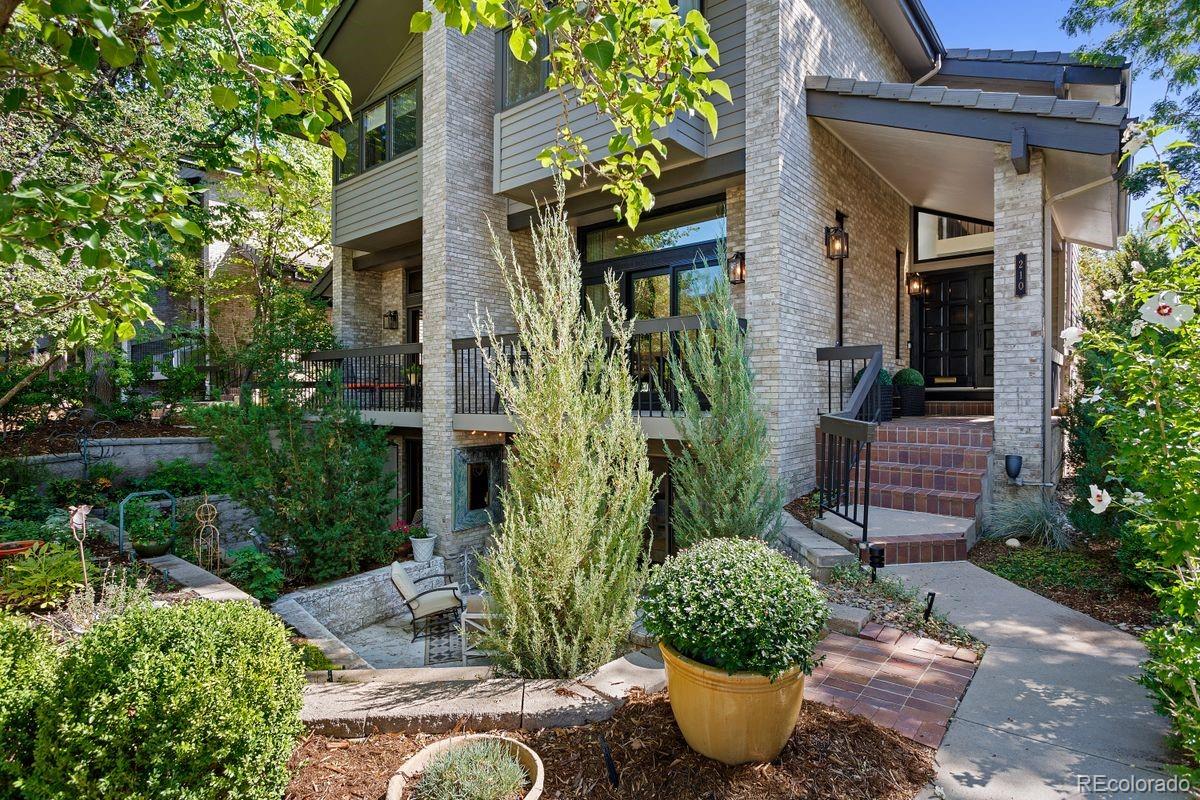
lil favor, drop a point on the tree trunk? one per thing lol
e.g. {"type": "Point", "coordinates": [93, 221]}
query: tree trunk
{"type": "Point", "coordinates": [31, 377]}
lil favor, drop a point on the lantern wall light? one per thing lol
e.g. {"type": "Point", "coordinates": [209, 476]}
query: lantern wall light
{"type": "Point", "coordinates": [837, 242]}
{"type": "Point", "coordinates": [391, 320]}
{"type": "Point", "coordinates": [737, 267]}
{"type": "Point", "coordinates": [916, 284]}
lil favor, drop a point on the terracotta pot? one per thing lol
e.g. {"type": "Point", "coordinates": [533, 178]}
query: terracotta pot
{"type": "Point", "coordinates": [18, 548]}
{"type": "Point", "coordinates": [412, 768]}
{"type": "Point", "coordinates": [423, 548]}
{"type": "Point", "coordinates": [734, 719]}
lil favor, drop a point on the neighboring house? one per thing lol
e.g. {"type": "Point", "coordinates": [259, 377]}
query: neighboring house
{"type": "Point", "coordinates": [946, 169]}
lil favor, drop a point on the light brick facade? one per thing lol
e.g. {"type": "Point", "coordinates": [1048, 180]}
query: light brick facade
{"type": "Point", "coordinates": [798, 176]}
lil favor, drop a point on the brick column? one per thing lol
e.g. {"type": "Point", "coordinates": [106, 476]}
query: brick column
{"type": "Point", "coordinates": [1021, 413]}
{"type": "Point", "coordinates": [357, 313]}
{"type": "Point", "coordinates": [458, 270]}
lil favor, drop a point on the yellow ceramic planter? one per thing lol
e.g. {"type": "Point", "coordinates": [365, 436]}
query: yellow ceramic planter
{"type": "Point", "coordinates": [736, 718]}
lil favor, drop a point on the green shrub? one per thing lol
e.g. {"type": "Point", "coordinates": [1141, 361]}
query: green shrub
{"type": "Point", "coordinates": [44, 577]}
{"type": "Point", "coordinates": [481, 769]}
{"type": "Point", "coordinates": [16, 530]}
{"type": "Point", "coordinates": [145, 524]}
{"type": "Point", "coordinates": [737, 605]}
{"type": "Point", "coordinates": [256, 574]}
{"type": "Point", "coordinates": [27, 663]}
{"type": "Point", "coordinates": [884, 378]}
{"type": "Point", "coordinates": [1037, 519]}
{"type": "Point", "coordinates": [313, 658]}
{"type": "Point", "coordinates": [181, 386]}
{"type": "Point", "coordinates": [908, 377]}
{"type": "Point", "coordinates": [197, 701]}
{"type": "Point", "coordinates": [183, 478]}
{"type": "Point", "coordinates": [1041, 568]}
{"type": "Point", "coordinates": [1172, 675]}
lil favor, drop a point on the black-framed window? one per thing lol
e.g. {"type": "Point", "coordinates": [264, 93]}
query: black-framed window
{"type": "Point", "coordinates": [412, 281]}
{"type": "Point", "coordinates": [380, 132]}
{"type": "Point", "coordinates": [939, 236]}
{"type": "Point", "coordinates": [519, 80]}
{"type": "Point", "coordinates": [692, 225]}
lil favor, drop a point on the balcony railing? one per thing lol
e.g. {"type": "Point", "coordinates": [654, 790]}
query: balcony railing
{"type": "Point", "coordinates": [372, 378]}
{"type": "Point", "coordinates": [653, 341]}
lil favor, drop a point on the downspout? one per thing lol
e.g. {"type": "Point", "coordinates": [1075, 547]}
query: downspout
{"type": "Point", "coordinates": [937, 67]}
{"type": "Point", "coordinates": [1048, 310]}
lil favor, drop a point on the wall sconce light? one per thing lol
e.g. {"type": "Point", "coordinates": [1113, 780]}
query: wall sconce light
{"type": "Point", "coordinates": [1012, 467]}
{"type": "Point", "coordinates": [737, 267]}
{"type": "Point", "coordinates": [916, 284]}
{"type": "Point", "coordinates": [391, 320]}
{"type": "Point", "coordinates": [837, 242]}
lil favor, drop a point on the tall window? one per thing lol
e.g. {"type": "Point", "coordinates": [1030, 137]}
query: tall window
{"type": "Point", "coordinates": [348, 166]}
{"type": "Point", "coordinates": [375, 135]}
{"type": "Point", "coordinates": [406, 121]}
{"type": "Point", "coordinates": [697, 225]}
{"type": "Point", "coordinates": [521, 81]}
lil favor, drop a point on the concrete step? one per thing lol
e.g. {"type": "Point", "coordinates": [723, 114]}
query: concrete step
{"type": "Point", "coordinates": [811, 550]}
{"type": "Point", "coordinates": [909, 537]}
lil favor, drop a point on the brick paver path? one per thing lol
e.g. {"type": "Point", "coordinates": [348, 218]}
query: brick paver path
{"type": "Point", "coordinates": [900, 681]}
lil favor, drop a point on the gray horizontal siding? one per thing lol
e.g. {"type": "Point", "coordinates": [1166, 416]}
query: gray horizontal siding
{"type": "Point", "coordinates": [382, 198]}
{"type": "Point", "coordinates": [525, 130]}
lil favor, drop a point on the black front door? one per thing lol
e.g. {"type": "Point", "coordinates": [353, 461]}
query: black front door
{"type": "Point", "coordinates": [957, 316]}
{"type": "Point", "coordinates": [412, 477]}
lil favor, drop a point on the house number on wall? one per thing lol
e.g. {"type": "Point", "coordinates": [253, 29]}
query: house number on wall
{"type": "Point", "coordinates": [1021, 275]}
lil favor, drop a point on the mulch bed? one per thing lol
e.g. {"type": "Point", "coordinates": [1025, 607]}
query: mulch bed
{"type": "Point", "coordinates": [832, 756]}
{"type": "Point", "coordinates": [1129, 608]}
{"type": "Point", "coordinates": [805, 508]}
{"type": "Point", "coordinates": [43, 439]}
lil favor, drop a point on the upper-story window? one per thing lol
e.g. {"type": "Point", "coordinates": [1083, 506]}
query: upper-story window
{"type": "Point", "coordinates": [940, 236]}
{"type": "Point", "coordinates": [382, 131]}
{"type": "Point", "coordinates": [704, 223]}
{"type": "Point", "coordinates": [519, 80]}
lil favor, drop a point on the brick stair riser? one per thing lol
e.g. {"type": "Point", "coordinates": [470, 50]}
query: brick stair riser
{"type": "Point", "coordinates": [964, 437]}
{"type": "Point", "coordinates": [932, 455]}
{"type": "Point", "coordinates": [924, 552]}
{"type": "Point", "coordinates": [925, 477]}
{"type": "Point", "coordinates": [929, 502]}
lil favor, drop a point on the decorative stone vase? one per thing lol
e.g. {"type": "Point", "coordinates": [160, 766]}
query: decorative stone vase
{"type": "Point", "coordinates": [408, 773]}
{"type": "Point", "coordinates": [735, 719]}
{"type": "Point", "coordinates": [152, 549]}
{"type": "Point", "coordinates": [423, 548]}
{"type": "Point", "coordinates": [912, 401]}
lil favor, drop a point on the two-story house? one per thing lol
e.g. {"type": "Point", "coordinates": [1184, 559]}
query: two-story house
{"type": "Point", "coordinates": [962, 181]}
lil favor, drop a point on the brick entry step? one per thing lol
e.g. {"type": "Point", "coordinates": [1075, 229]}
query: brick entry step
{"type": "Point", "coordinates": [897, 680]}
{"type": "Point", "coordinates": [908, 537]}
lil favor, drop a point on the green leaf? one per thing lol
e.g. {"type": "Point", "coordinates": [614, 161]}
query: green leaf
{"type": "Point", "coordinates": [77, 330]}
{"type": "Point", "coordinates": [720, 87]}
{"type": "Point", "coordinates": [125, 331]}
{"type": "Point", "coordinates": [521, 45]}
{"type": "Point", "coordinates": [421, 22]}
{"type": "Point", "coordinates": [224, 98]}
{"type": "Point", "coordinates": [83, 53]}
{"type": "Point", "coordinates": [709, 112]}
{"type": "Point", "coordinates": [117, 53]}
{"type": "Point", "coordinates": [338, 144]}
{"type": "Point", "coordinates": [600, 53]}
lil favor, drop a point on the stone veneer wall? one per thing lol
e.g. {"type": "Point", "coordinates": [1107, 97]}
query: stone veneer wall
{"type": "Point", "coordinates": [1020, 403]}
{"type": "Point", "coordinates": [357, 307]}
{"type": "Point", "coordinates": [136, 457]}
{"type": "Point", "coordinates": [459, 271]}
{"type": "Point", "coordinates": [797, 176]}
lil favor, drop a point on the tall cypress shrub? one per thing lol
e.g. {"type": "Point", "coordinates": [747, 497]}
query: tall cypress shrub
{"type": "Point", "coordinates": [722, 486]}
{"type": "Point", "coordinates": [566, 563]}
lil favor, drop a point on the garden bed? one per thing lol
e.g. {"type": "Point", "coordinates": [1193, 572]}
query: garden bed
{"type": "Point", "coordinates": [48, 438]}
{"type": "Point", "coordinates": [832, 755]}
{"type": "Point", "coordinates": [1085, 578]}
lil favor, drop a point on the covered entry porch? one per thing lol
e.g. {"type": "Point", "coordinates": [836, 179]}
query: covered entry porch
{"type": "Point", "coordinates": [1003, 187]}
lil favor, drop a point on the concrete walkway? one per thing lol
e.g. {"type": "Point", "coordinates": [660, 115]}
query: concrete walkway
{"type": "Point", "coordinates": [1053, 699]}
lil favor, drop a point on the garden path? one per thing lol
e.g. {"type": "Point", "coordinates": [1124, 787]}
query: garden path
{"type": "Point", "coordinates": [1054, 697]}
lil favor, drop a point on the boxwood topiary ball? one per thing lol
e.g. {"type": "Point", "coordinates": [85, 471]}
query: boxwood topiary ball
{"type": "Point", "coordinates": [737, 605]}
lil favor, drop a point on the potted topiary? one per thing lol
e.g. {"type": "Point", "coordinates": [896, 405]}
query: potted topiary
{"type": "Point", "coordinates": [911, 386]}
{"type": "Point", "coordinates": [738, 623]}
{"type": "Point", "coordinates": [884, 382]}
{"type": "Point", "coordinates": [149, 531]}
{"type": "Point", "coordinates": [478, 767]}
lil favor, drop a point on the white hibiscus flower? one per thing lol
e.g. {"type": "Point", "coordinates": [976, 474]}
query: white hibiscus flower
{"type": "Point", "coordinates": [1138, 326]}
{"type": "Point", "coordinates": [1110, 295]}
{"type": "Point", "coordinates": [1136, 268]}
{"type": "Point", "coordinates": [1094, 397]}
{"type": "Point", "coordinates": [1099, 499]}
{"type": "Point", "coordinates": [1135, 498]}
{"type": "Point", "coordinates": [1165, 309]}
{"type": "Point", "coordinates": [1071, 336]}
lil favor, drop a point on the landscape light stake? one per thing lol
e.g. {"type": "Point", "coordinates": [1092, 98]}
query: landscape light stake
{"type": "Point", "coordinates": [929, 605]}
{"type": "Point", "coordinates": [613, 777]}
{"type": "Point", "coordinates": [876, 559]}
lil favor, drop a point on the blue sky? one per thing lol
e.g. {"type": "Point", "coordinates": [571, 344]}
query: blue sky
{"type": "Point", "coordinates": [1026, 25]}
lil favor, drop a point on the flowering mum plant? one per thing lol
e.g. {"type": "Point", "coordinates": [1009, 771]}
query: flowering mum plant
{"type": "Point", "coordinates": [409, 530]}
{"type": "Point", "coordinates": [1146, 392]}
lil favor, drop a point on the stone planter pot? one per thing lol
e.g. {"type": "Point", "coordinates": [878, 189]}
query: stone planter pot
{"type": "Point", "coordinates": [885, 402]}
{"type": "Point", "coordinates": [406, 775]}
{"type": "Point", "coordinates": [152, 549]}
{"type": "Point", "coordinates": [423, 548]}
{"type": "Point", "coordinates": [912, 401]}
{"type": "Point", "coordinates": [734, 719]}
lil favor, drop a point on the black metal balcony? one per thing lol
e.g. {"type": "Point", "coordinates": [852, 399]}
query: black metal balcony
{"type": "Point", "coordinates": [372, 378]}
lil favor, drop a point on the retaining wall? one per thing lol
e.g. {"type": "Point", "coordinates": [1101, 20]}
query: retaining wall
{"type": "Point", "coordinates": [137, 457]}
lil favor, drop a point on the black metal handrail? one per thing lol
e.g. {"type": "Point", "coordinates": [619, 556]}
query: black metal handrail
{"type": "Point", "coordinates": [372, 378]}
{"type": "Point", "coordinates": [846, 435]}
{"type": "Point", "coordinates": [650, 348]}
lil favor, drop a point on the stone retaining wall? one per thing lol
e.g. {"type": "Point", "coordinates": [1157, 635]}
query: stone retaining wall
{"type": "Point", "coordinates": [137, 457]}
{"type": "Point", "coordinates": [353, 603]}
